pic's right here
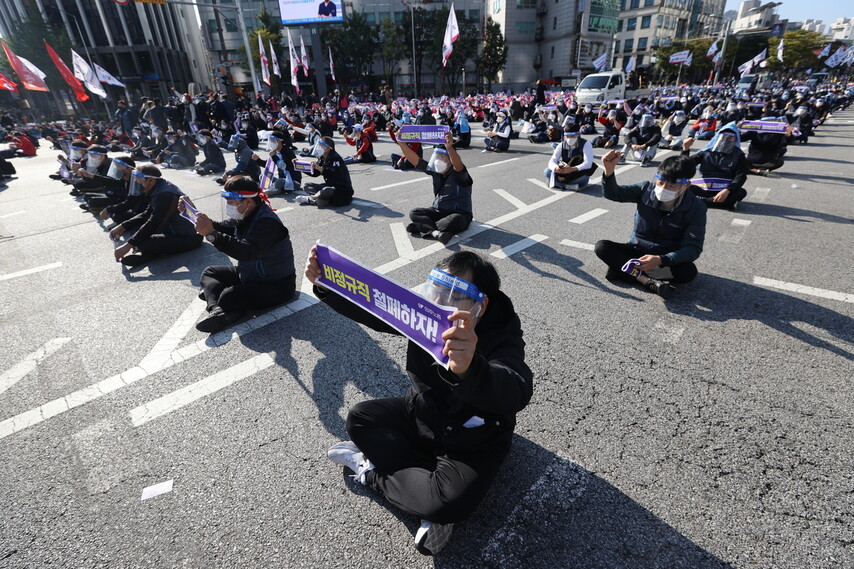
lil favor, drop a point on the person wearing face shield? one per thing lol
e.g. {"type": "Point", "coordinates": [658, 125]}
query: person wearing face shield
{"type": "Point", "coordinates": [90, 176]}
{"type": "Point", "coordinates": [312, 135]}
{"type": "Point", "coordinates": [613, 125]}
{"type": "Point", "coordinates": [674, 131]}
{"type": "Point", "coordinates": [364, 147]}
{"type": "Point", "coordinates": [451, 211]}
{"type": "Point", "coordinates": [158, 143]}
{"type": "Point", "coordinates": [766, 149]}
{"type": "Point", "coordinates": [159, 229]}
{"type": "Point", "coordinates": [435, 451]}
{"type": "Point", "coordinates": [730, 115]}
{"type": "Point", "coordinates": [587, 120]}
{"type": "Point", "coordinates": [243, 156]}
{"type": "Point", "coordinates": [288, 178]}
{"type": "Point", "coordinates": [642, 140]}
{"type": "Point", "coordinates": [571, 164]}
{"type": "Point", "coordinates": [257, 239]}
{"type": "Point", "coordinates": [337, 188]}
{"type": "Point", "coordinates": [115, 186]}
{"type": "Point", "coordinates": [498, 139]}
{"type": "Point", "coordinates": [669, 227]}
{"type": "Point", "coordinates": [399, 161]}
{"type": "Point", "coordinates": [704, 127]}
{"type": "Point", "coordinates": [723, 159]}
{"type": "Point", "coordinates": [214, 161]}
{"type": "Point", "coordinates": [75, 161]}
{"type": "Point", "coordinates": [180, 151]}
{"type": "Point", "coordinates": [800, 118]}
{"type": "Point", "coordinates": [141, 141]}
{"type": "Point", "coordinates": [461, 130]}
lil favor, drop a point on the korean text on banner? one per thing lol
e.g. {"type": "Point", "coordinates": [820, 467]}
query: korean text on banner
{"type": "Point", "coordinates": [427, 134]}
{"type": "Point", "coordinates": [417, 318]}
{"type": "Point", "coordinates": [764, 126]}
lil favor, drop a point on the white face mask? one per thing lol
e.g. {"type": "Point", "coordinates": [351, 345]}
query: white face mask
{"type": "Point", "coordinates": [272, 144]}
{"type": "Point", "coordinates": [664, 195]}
{"type": "Point", "coordinates": [93, 161]}
{"type": "Point", "coordinates": [232, 212]}
{"type": "Point", "coordinates": [678, 119]}
{"type": "Point", "coordinates": [570, 141]}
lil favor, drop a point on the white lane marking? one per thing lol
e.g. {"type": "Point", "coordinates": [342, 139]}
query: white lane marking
{"type": "Point", "coordinates": [514, 201]}
{"type": "Point", "coordinates": [401, 240]}
{"type": "Point", "coordinates": [195, 391]}
{"type": "Point", "coordinates": [20, 370]}
{"type": "Point", "coordinates": [736, 231]}
{"type": "Point", "coordinates": [499, 162]}
{"type": "Point", "coordinates": [284, 209]}
{"type": "Point", "coordinates": [668, 331]}
{"type": "Point", "coordinates": [164, 347]}
{"type": "Point", "coordinates": [418, 179]}
{"type": "Point", "coordinates": [803, 289]}
{"type": "Point", "coordinates": [577, 244]}
{"type": "Point", "coordinates": [544, 185]}
{"type": "Point", "coordinates": [156, 490]}
{"type": "Point", "coordinates": [106, 386]}
{"type": "Point", "coordinates": [14, 213]}
{"type": "Point", "coordinates": [365, 203]}
{"type": "Point", "coordinates": [760, 195]}
{"type": "Point", "coordinates": [30, 271]}
{"type": "Point", "coordinates": [514, 248]}
{"type": "Point", "coordinates": [592, 214]}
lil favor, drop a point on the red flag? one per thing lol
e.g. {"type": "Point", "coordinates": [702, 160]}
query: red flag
{"type": "Point", "coordinates": [66, 73]}
{"type": "Point", "coordinates": [7, 85]}
{"type": "Point", "coordinates": [29, 79]}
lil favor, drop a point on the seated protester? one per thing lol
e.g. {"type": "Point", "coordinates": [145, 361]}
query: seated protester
{"type": "Point", "coordinates": [451, 212]}
{"type": "Point", "coordinates": [730, 115]}
{"type": "Point", "coordinates": [766, 149]}
{"type": "Point", "coordinates": [425, 115]}
{"type": "Point", "coordinates": [370, 128]}
{"type": "Point", "coordinates": [19, 145]}
{"type": "Point", "coordinates": [158, 143]}
{"type": "Point", "coordinates": [801, 119]}
{"type": "Point", "coordinates": [312, 135]}
{"type": "Point", "coordinates": [537, 128]}
{"type": "Point", "coordinates": [704, 127]}
{"type": "Point", "coordinates": [571, 164]}
{"type": "Point", "coordinates": [71, 163]}
{"type": "Point", "coordinates": [254, 236]}
{"type": "Point", "coordinates": [120, 141]}
{"type": "Point", "coordinates": [498, 139]}
{"type": "Point", "coordinates": [288, 178]}
{"type": "Point", "coordinates": [587, 120]}
{"type": "Point", "coordinates": [461, 130]}
{"type": "Point", "coordinates": [723, 159]}
{"type": "Point", "coordinates": [547, 128]}
{"type": "Point", "coordinates": [670, 226]}
{"type": "Point", "coordinates": [249, 132]}
{"type": "Point", "coordinates": [115, 185]}
{"type": "Point", "coordinates": [363, 144]}
{"type": "Point", "coordinates": [214, 161]}
{"type": "Point", "coordinates": [161, 229]}
{"type": "Point", "coordinates": [179, 152]}
{"type": "Point", "coordinates": [141, 141]}
{"type": "Point", "coordinates": [674, 131]}
{"type": "Point", "coordinates": [134, 204]}
{"type": "Point", "coordinates": [346, 123]}
{"type": "Point", "coordinates": [399, 161]}
{"type": "Point", "coordinates": [336, 189]}
{"type": "Point", "coordinates": [435, 452]}
{"type": "Point", "coordinates": [613, 126]}
{"type": "Point", "coordinates": [97, 164]}
{"type": "Point", "coordinates": [642, 140]}
{"type": "Point", "coordinates": [243, 156]}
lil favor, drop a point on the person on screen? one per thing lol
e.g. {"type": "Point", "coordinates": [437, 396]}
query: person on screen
{"type": "Point", "coordinates": [327, 9]}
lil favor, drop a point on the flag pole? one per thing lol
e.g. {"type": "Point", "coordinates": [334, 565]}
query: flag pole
{"type": "Point", "coordinates": [679, 76]}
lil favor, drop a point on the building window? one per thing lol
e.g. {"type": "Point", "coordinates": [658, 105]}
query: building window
{"type": "Point", "coordinates": [649, 2]}
{"type": "Point", "coordinates": [212, 26]}
{"type": "Point", "coordinates": [526, 3]}
{"type": "Point", "coordinates": [631, 23]}
{"type": "Point", "coordinates": [398, 18]}
{"type": "Point", "coordinates": [496, 6]}
{"type": "Point", "coordinates": [634, 4]}
{"type": "Point", "coordinates": [603, 16]}
{"type": "Point", "coordinates": [371, 19]}
{"type": "Point", "coordinates": [659, 20]}
{"type": "Point", "coordinates": [554, 23]}
{"type": "Point", "coordinates": [641, 44]}
{"type": "Point", "coordinates": [629, 44]}
{"type": "Point", "coordinates": [474, 15]}
{"type": "Point", "coordinates": [617, 46]}
{"type": "Point", "coordinates": [526, 27]}
{"type": "Point", "coordinates": [640, 60]}
{"type": "Point", "coordinates": [553, 52]}
{"type": "Point", "coordinates": [645, 21]}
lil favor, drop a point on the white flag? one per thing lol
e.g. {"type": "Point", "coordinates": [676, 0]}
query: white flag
{"type": "Point", "coordinates": [825, 52]}
{"type": "Point", "coordinates": [452, 34]}
{"type": "Point", "coordinates": [760, 57]}
{"type": "Point", "coordinates": [294, 62]}
{"type": "Point", "coordinates": [83, 72]}
{"type": "Point", "coordinates": [600, 62]}
{"type": "Point", "coordinates": [265, 70]}
{"type": "Point", "coordinates": [717, 57]}
{"type": "Point", "coordinates": [780, 50]}
{"type": "Point", "coordinates": [276, 69]}
{"type": "Point", "coordinates": [836, 58]}
{"type": "Point", "coordinates": [713, 49]}
{"type": "Point", "coordinates": [630, 66]}
{"type": "Point", "coordinates": [104, 76]}
{"type": "Point", "coordinates": [332, 66]}
{"type": "Point", "coordinates": [29, 64]}
{"type": "Point", "coordinates": [690, 59]}
{"type": "Point", "coordinates": [303, 57]}
{"type": "Point", "coordinates": [746, 67]}
{"type": "Point", "coordinates": [679, 57]}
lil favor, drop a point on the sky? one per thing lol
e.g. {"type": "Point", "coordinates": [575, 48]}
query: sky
{"type": "Point", "coordinates": [799, 10]}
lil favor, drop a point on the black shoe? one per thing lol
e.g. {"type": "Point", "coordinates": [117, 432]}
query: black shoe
{"type": "Point", "coordinates": [418, 229]}
{"type": "Point", "coordinates": [661, 288]}
{"type": "Point", "coordinates": [202, 295]}
{"type": "Point", "coordinates": [614, 275]}
{"type": "Point", "coordinates": [55, 177]}
{"type": "Point", "coordinates": [74, 193]}
{"type": "Point", "coordinates": [431, 538]}
{"type": "Point", "coordinates": [84, 206]}
{"type": "Point", "coordinates": [443, 237]}
{"type": "Point", "coordinates": [136, 260]}
{"type": "Point", "coordinates": [218, 320]}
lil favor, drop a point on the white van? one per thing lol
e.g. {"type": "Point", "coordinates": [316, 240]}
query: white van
{"type": "Point", "coordinates": [603, 87]}
{"type": "Point", "coordinates": [753, 82]}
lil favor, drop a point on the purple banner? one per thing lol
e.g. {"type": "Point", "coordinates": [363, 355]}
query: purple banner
{"type": "Point", "coordinates": [417, 318]}
{"type": "Point", "coordinates": [190, 213]}
{"type": "Point", "coordinates": [301, 166]}
{"type": "Point", "coordinates": [764, 126]}
{"type": "Point", "coordinates": [712, 184]}
{"type": "Point", "coordinates": [424, 133]}
{"type": "Point", "coordinates": [268, 174]}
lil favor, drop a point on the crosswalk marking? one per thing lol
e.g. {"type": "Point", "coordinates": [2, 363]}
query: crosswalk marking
{"type": "Point", "coordinates": [514, 248]}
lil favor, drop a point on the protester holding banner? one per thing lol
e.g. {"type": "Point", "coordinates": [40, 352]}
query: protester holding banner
{"type": "Point", "coordinates": [399, 161]}
{"type": "Point", "coordinates": [451, 211]}
{"type": "Point", "coordinates": [257, 239]}
{"type": "Point", "coordinates": [723, 169]}
{"type": "Point", "coordinates": [766, 149]}
{"type": "Point", "coordinates": [435, 451]}
{"type": "Point", "coordinates": [288, 178]}
{"type": "Point", "coordinates": [669, 227]}
{"type": "Point", "coordinates": [336, 189]}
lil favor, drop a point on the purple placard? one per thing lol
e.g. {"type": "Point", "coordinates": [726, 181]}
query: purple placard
{"type": "Point", "coordinates": [190, 213]}
{"type": "Point", "coordinates": [764, 126]}
{"type": "Point", "coordinates": [268, 174]}
{"type": "Point", "coordinates": [417, 318]}
{"type": "Point", "coordinates": [301, 166]}
{"type": "Point", "coordinates": [424, 133]}
{"type": "Point", "coordinates": [712, 184]}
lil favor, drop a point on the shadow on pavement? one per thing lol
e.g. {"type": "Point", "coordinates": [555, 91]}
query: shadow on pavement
{"type": "Point", "coordinates": [791, 213]}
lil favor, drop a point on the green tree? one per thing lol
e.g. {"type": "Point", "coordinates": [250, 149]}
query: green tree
{"type": "Point", "coordinates": [493, 56]}
{"type": "Point", "coordinates": [798, 46]}
{"type": "Point", "coordinates": [392, 48]}
{"type": "Point", "coordinates": [353, 45]}
{"type": "Point", "coordinates": [465, 48]}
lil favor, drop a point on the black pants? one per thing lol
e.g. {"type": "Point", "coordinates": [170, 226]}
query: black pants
{"type": "Point", "coordinates": [100, 201]}
{"type": "Point", "coordinates": [431, 219]}
{"type": "Point", "coordinates": [160, 244]}
{"type": "Point", "coordinates": [496, 143]}
{"type": "Point", "coordinates": [328, 195]}
{"type": "Point", "coordinates": [615, 256]}
{"type": "Point", "coordinates": [772, 165]}
{"type": "Point", "coordinates": [441, 488]}
{"type": "Point", "coordinates": [221, 285]}
{"type": "Point", "coordinates": [734, 196]}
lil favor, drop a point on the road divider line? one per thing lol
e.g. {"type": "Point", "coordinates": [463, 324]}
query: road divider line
{"type": "Point", "coordinates": [161, 351]}
{"type": "Point", "coordinates": [592, 214]}
{"type": "Point", "coordinates": [514, 201]}
{"type": "Point", "coordinates": [577, 244]}
{"type": "Point", "coordinates": [30, 271]}
{"type": "Point", "coordinates": [491, 164]}
{"type": "Point", "coordinates": [20, 370]}
{"type": "Point", "coordinates": [736, 231]}
{"type": "Point", "coordinates": [514, 248]}
{"type": "Point", "coordinates": [156, 490]}
{"type": "Point", "coordinates": [760, 195]}
{"type": "Point", "coordinates": [13, 214]}
{"type": "Point", "coordinates": [401, 240]}
{"type": "Point", "coordinates": [803, 289]}
{"type": "Point", "coordinates": [544, 186]}
{"type": "Point", "coordinates": [195, 391]}
{"type": "Point", "coordinates": [420, 178]}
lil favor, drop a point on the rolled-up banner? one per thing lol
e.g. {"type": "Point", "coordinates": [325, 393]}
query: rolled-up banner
{"type": "Point", "coordinates": [268, 174]}
{"type": "Point", "coordinates": [764, 126]}
{"type": "Point", "coordinates": [303, 166]}
{"type": "Point", "coordinates": [547, 107]}
{"type": "Point", "coordinates": [190, 213]}
{"type": "Point", "coordinates": [424, 133]}
{"type": "Point", "coordinates": [711, 184]}
{"type": "Point", "coordinates": [417, 318]}
{"type": "Point", "coordinates": [616, 102]}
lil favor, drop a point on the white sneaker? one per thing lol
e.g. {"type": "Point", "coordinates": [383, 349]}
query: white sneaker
{"type": "Point", "coordinates": [431, 538]}
{"type": "Point", "coordinates": [572, 187]}
{"type": "Point", "coordinates": [348, 454]}
{"type": "Point", "coordinates": [304, 200]}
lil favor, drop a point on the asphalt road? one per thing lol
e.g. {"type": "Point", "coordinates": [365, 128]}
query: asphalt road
{"type": "Point", "coordinates": [713, 430]}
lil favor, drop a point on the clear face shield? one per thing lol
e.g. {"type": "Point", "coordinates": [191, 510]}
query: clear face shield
{"type": "Point", "coordinates": [647, 121]}
{"type": "Point", "coordinates": [319, 149]}
{"type": "Point", "coordinates": [724, 143]}
{"type": "Point", "coordinates": [234, 204]}
{"type": "Point", "coordinates": [666, 190]}
{"type": "Point", "coordinates": [76, 153]}
{"type": "Point", "coordinates": [440, 161]}
{"type": "Point", "coordinates": [234, 142]}
{"type": "Point", "coordinates": [678, 117]}
{"type": "Point", "coordinates": [94, 160]}
{"type": "Point", "coordinates": [570, 139]}
{"type": "Point", "coordinates": [117, 169]}
{"type": "Point", "coordinates": [136, 181]}
{"type": "Point", "coordinates": [448, 290]}
{"type": "Point", "coordinates": [272, 144]}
